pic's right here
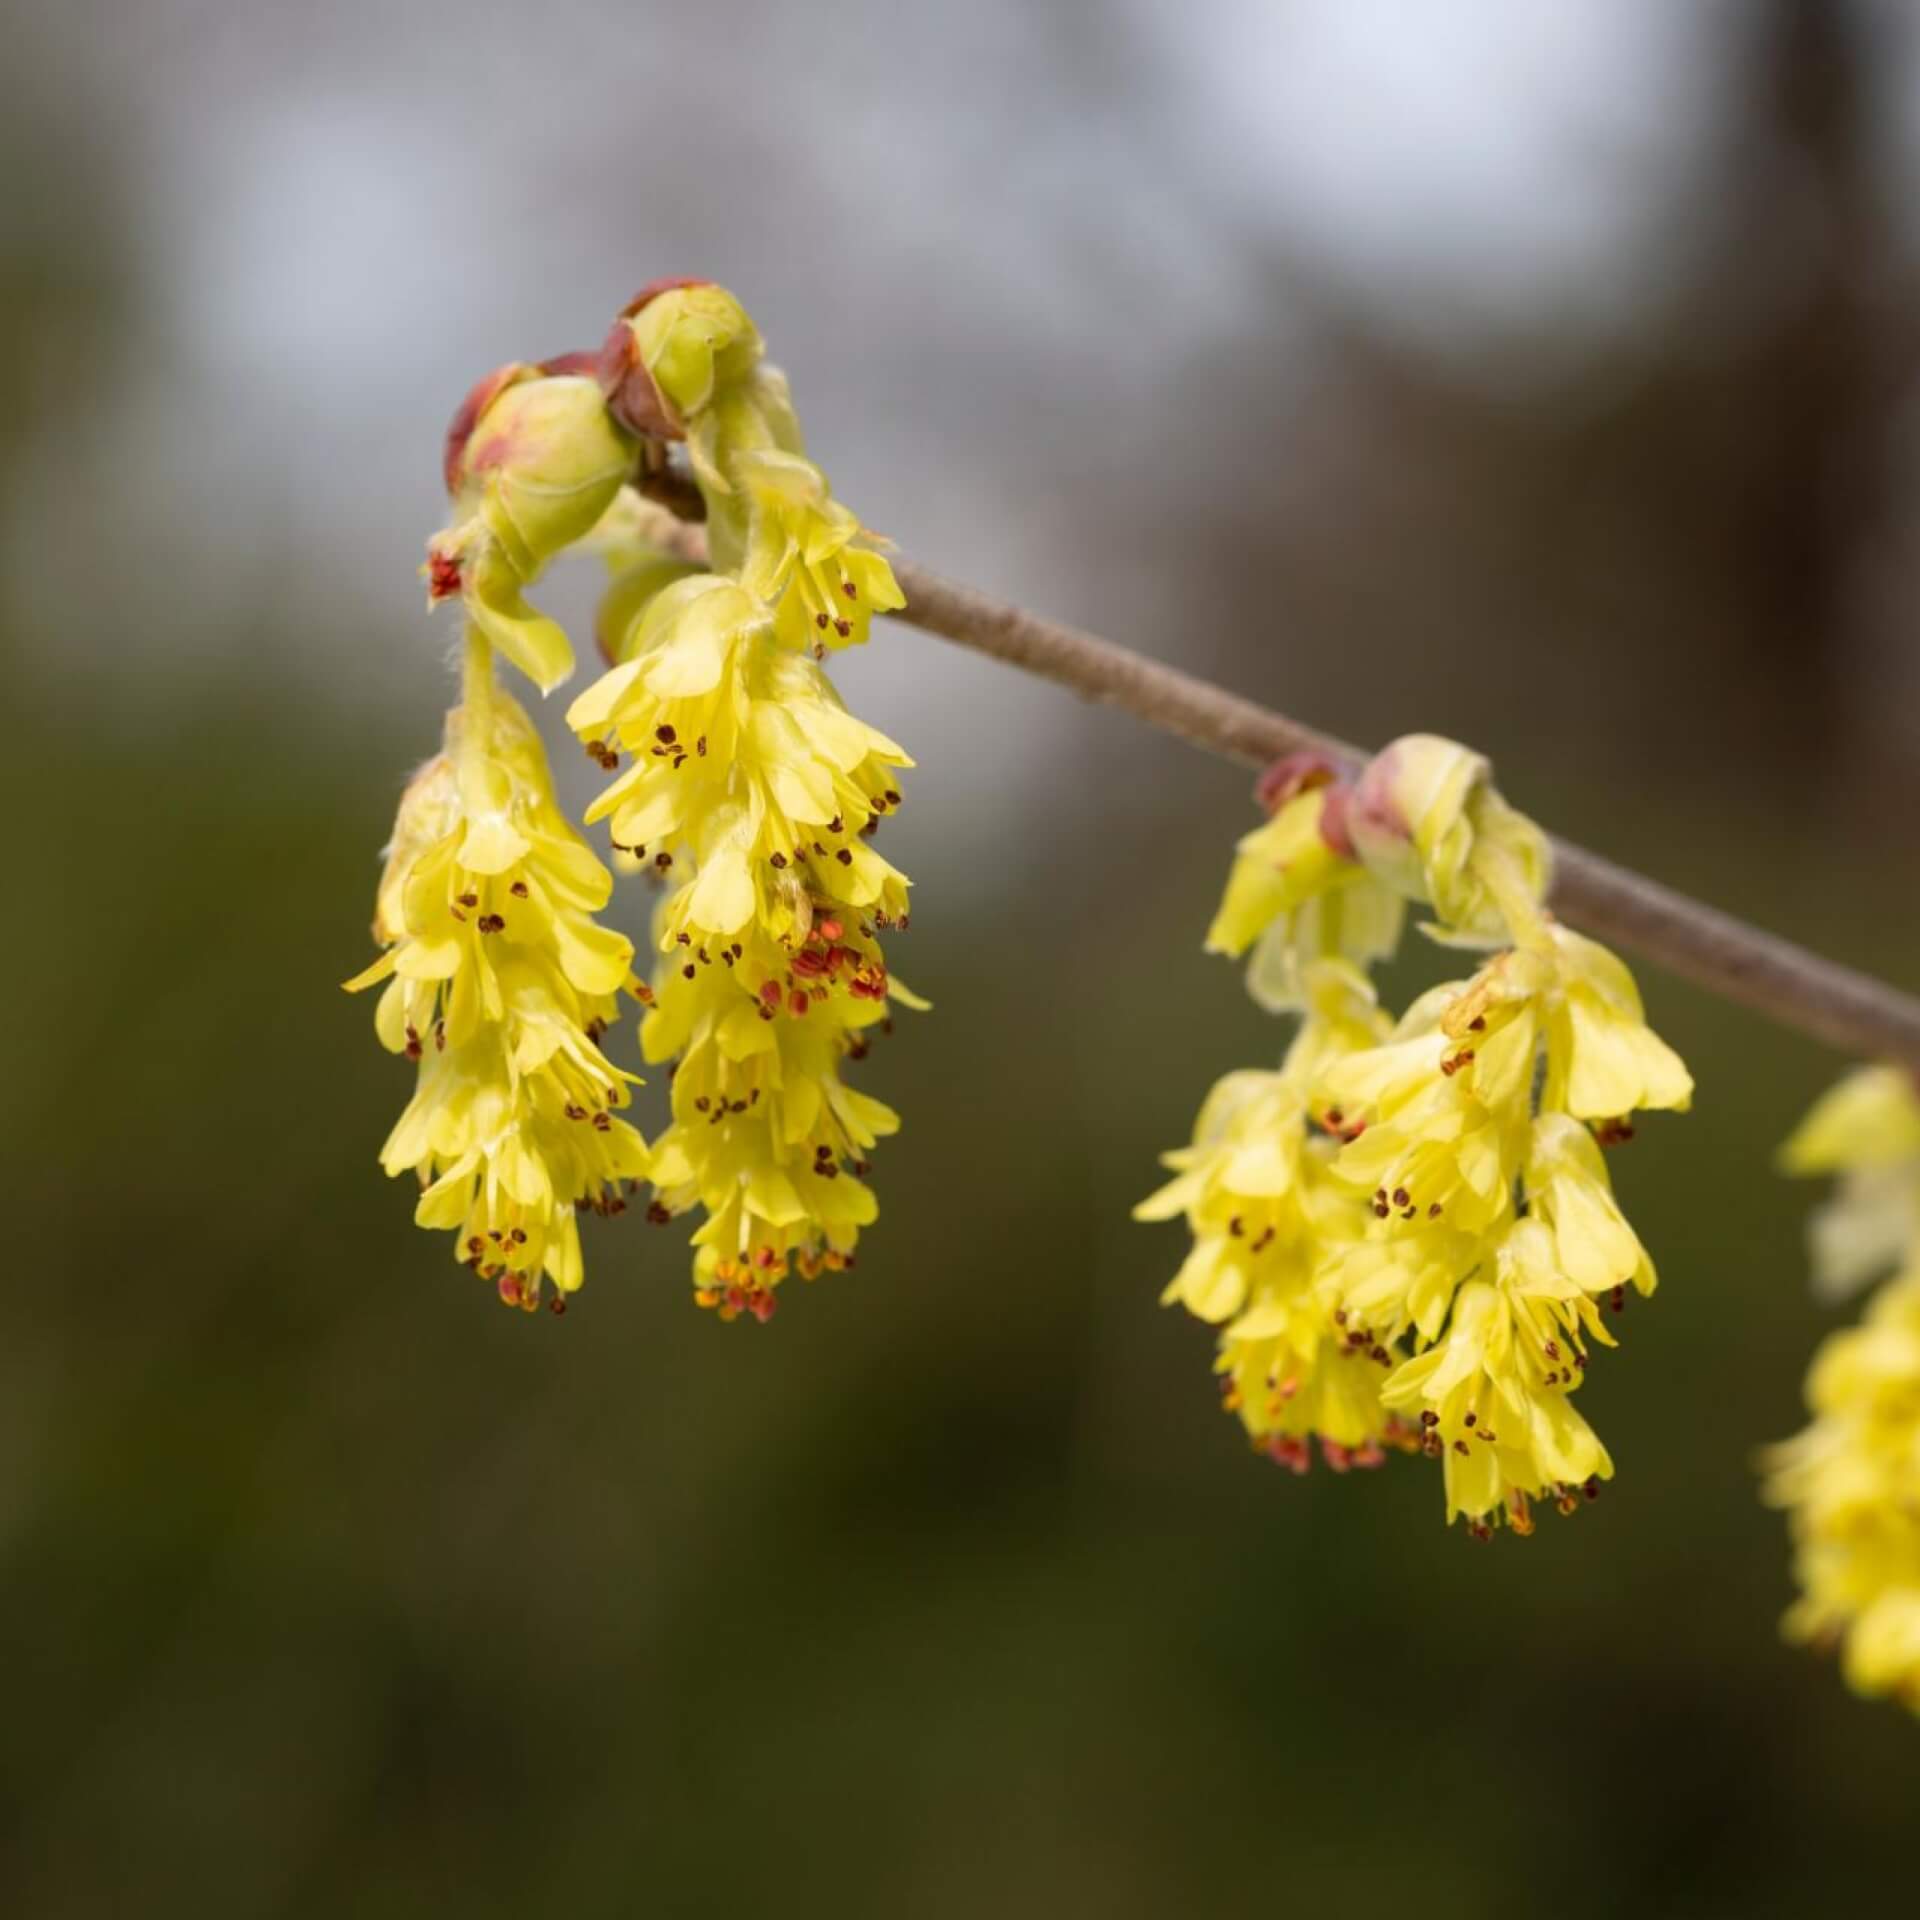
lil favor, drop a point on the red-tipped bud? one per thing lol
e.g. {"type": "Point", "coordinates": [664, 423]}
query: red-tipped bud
{"type": "Point", "coordinates": [631, 394]}
{"type": "Point", "coordinates": [480, 396]}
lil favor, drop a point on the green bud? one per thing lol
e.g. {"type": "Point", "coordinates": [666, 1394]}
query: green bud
{"type": "Point", "coordinates": [542, 463]}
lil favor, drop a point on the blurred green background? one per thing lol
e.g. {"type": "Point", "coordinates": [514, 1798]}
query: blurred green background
{"type": "Point", "coordinates": [330, 1586]}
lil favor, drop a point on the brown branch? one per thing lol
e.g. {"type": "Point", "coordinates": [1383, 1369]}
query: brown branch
{"type": "Point", "coordinates": [1849, 1010]}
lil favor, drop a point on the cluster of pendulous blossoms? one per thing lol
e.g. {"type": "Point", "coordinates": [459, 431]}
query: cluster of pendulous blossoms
{"type": "Point", "coordinates": [1850, 1480]}
{"type": "Point", "coordinates": [750, 792]}
{"type": "Point", "coordinates": [1407, 1233]}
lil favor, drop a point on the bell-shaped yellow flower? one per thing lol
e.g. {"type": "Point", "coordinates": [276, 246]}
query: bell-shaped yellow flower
{"type": "Point", "coordinates": [1497, 1416]}
{"type": "Point", "coordinates": [1296, 893]}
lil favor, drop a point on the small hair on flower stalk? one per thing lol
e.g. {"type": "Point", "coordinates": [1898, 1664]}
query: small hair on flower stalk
{"type": "Point", "coordinates": [1407, 1232]}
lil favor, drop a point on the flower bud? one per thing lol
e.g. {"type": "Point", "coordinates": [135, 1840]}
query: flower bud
{"type": "Point", "coordinates": [674, 342]}
{"type": "Point", "coordinates": [543, 459]}
{"type": "Point", "coordinates": [1420, 810]}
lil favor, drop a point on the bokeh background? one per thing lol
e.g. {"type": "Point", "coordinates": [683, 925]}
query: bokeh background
{"type": "Point", "coordinates": [1542, 374]}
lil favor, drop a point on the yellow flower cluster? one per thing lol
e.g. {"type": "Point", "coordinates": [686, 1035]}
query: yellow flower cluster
{"type": "Point", "coordinates": [500, 983]}
{"type": "Point", "coordinates": [1850, 1480]}
{"type": "Point", "coordinates": [751, 791]}
{"type": "Point", "coordinates": [1408, 1232]}
{"type": "Point", "coordinates": [755, 795]}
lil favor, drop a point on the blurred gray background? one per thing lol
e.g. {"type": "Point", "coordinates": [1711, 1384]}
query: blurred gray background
{"type": "Point", "coordinates": [1543, 374]}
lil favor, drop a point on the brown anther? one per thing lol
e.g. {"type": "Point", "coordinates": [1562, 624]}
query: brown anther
{"type": "Point", "coordinates": [664, 734]}
{"type": "Point", "coordinates": [820, 621]}
{"type": "Point", "coordinates": [663, 861]}
{"type": "Point", "coordinates": [518, 889]}
{"type": "Point", "coordinates": [777, 860]}
{"type": "Point", "coordinates": [849, 589]}
{"type": "Point", "coordinates": [1470, 1420]}
{"type": "Point", "coordinates": [844, 628]}
{"type": "Point", "coordinates": [469, 899]}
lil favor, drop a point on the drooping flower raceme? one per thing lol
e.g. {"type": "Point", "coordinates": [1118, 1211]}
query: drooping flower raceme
{"type": "Point", "coordinates": [755, 796]}
{"type": "Point", "coordinates": [500, 984]}
{"type": "Point", "coordinates": [1850, 1480]}
{"type": "Point", "coordinates": [1451, 1217]}
{"type": "Point", "coordinates": [751, 792]}
{"type": "Point", "coordinates": [1257, 1191]}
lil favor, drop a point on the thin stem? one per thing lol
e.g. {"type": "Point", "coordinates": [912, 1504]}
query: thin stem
{"type": "Point", "coordinates": [476, 714]}
{"type": "Point", "coordinates": [1847, 1009]}
{"type": "Point", "coordinates": [1500, 873]}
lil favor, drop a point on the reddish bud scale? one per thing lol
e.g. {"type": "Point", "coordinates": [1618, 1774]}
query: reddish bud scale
{"type": "Point", "coordinates": [480, 396]}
